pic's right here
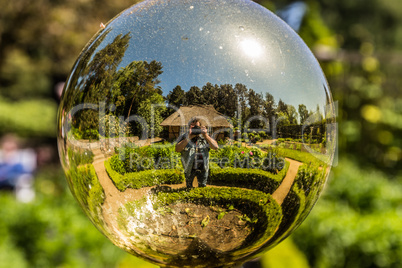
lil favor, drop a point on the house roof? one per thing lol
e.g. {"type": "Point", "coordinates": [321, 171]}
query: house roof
{"type": "Point", "coordinates": [206, 113]}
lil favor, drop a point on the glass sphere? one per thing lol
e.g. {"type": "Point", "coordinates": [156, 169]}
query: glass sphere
{"type": "Point", "coordinates": [196, 133]}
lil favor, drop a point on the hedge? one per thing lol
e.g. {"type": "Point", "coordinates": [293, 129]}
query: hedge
{"type": "Point", "coordinates": [293, 210]}
{"type": "Point", "coordinates": [137, 180]}
{"type": "Point", "coordinates": [253, 203]}
{"type": "Point", "coordinates": [247, 178]}
{"type": "Point", "coordinates": [303, 157]}
{"type": "Point", "coordinates": [87, 190]}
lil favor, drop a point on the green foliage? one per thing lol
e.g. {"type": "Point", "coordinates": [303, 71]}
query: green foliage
{"type": "Point", "coordinates": [262, 134]}
{"type": "Point", "coordinates": [247, 157]}
{"type": "Point", "coordinates": [30, 118]}
{"type": "Point", "coordinates": [258, 205]}
{"type": "Point", "coordinates": [52, 231]}
{"type": "Point", "coordinates": [135, 159]}
{"type": "Point", "coordinates": [116, 164]}
{"type": "Point", "coordinates": [111, 126]}
{"type": "Point", "coordinates": [152, 110]}
{"type": "Point", "coordinates": [247, 178]}
{"type": "Point", "coordinates": [300, 156]}
{"type": "Point", "coordinates": [309, 177]}
{"type": "Point", "coordinates": [285, 255]}
{"type": "Point", "coordinates": [86, 134]}
{"type": "Point", "coordinates": [137, 180]}
{"type": "Point", "coordinates": [356, 223]}
{"type": "Point", "coordinates": [80, 157]}
{"type": "Point", "coordinates": [88, 191]}
{"type": "Point", "coordinates": [294, 210]}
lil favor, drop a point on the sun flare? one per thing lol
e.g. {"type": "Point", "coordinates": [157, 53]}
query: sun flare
{"type": "Point", "coordinates": [251, 48]}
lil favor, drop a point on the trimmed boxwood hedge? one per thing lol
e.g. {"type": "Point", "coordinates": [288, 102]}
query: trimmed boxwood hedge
{"type": "Point", "coordinates": [292, 208]}
{"type": "Point", "coordinates": [253, 203]}
{"type": "Point", "coordinates": [247, 178]}
{"type": "Point", "coordinates": [137, 180]}
{"type": "Point", "coordinates": [303, 157]}
{"type": "Point", "coordinates": [88, 191]}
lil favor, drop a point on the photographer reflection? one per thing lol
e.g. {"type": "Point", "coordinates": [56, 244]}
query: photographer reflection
{"type": "Point", "coordinates": [194, 147]}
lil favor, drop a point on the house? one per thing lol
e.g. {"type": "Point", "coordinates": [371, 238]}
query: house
{"type": "Point", "coordinates": [177, 123]}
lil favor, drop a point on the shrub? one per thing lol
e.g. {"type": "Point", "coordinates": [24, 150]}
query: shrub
{"type": "Point", "coordinates": [149, 157]}
{"type": "Point", "coordinates": [137, 180]}
{"type": "Point", "coordinates": [303, 157]}
{"type": "Point", "coordinates": [262, 134]}
{"type": "Point", "coordinates": [243, 178]}
{"type": "Point", "coordinates": [254, 203]}
{"type": "Point", "coordinates": [247, 178]}
{"type": "Point", "coordinates": [80, 157]}
{"type": "Point", "coordinates": [116, 164]}
{"type": "Point", "coordinates": [256, 138]}
{"type": "Point", "coordinates": [87, 190]}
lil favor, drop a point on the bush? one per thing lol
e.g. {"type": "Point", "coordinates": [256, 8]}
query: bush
{"type": "Point", "coordinates": [80, 157]}
{"type": "Point", "coordinates": [116, 164]}
{"type": "Point", "coordinates": [149, 157]}
{"type": "Point", "coordinates": [28, 118]}
{"type": "Point", "coordinates": [87, 190]}
{"type": "Point", "coordinates": [247, 178]}
{"type": "Point", "coordinates": [293, 209]}
{"type": "Point", "coordinates": [254, 203]}
{"type": "Point", "coordinates": [303, 157]}
{"type": "Point", "coordinates": [262, 134]}
{"type": "Point", "coordinates": [137, 180]}
{"type": "Point", "coordinates": [52, 231]}
{"type": "Point", "coordinates": [246, 157]}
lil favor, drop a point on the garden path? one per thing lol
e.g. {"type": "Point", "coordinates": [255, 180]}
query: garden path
{"type": "Point", "coordinates": [280, 194]}
{"type": "Point", "coordinates": [116, 199]}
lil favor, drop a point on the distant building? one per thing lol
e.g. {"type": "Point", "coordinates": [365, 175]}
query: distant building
{"type": "Point", "coordinates": [216, 123]}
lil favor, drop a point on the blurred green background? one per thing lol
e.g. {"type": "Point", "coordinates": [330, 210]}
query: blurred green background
{"type": "Point", "coordinates": [356, 223]}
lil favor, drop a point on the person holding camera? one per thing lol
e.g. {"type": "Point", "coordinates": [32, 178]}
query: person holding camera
{"type": "Point", "coordinates": [194, 147]}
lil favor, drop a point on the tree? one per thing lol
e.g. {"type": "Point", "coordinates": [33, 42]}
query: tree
{"type": "Point", "coordinates": [227, 101]}
{"type": "Point", "coordinates": [269, 109]}
{"type": "Point", "coordinates": [96, 78]}
{"type": "Point", "coordinates": [282, 107]}
{"type": "Point", "coordinates": [256, 103]}
{"type": "Point", "coordinates": [143, 81]}
{"type": "Point", "coordinates": [241, 92]}
{"type": "Point", "coordinates": [194, 96]}
{"type": "Point", "coordinates": [41, 51]}
{"type": "Point", "coordinates": [135, 83]}
{"type": "Point", "coordinates": [152, 110]}
{"type": "Point", "coordinates": [303, 113]}
{"type": "Point", "coordinates": [176, 97]}
{"type": "Point", "coordinates": [210, 94]}
{"type": "Point", "coordinates": [292, 114]}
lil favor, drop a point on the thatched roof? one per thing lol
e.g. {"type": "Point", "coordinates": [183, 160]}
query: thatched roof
{"type": "Point", "coordinates": [206, 113]}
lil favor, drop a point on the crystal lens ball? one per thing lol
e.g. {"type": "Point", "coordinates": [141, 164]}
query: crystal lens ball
{"type": "Point", "coordinates": [196, 133]}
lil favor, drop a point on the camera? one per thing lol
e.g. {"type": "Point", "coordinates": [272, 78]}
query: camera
{"type": "Point", "coordinates": [196, 130]}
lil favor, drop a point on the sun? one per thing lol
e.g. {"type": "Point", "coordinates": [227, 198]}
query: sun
{"type": "Point", "coordinates": [251, 48]}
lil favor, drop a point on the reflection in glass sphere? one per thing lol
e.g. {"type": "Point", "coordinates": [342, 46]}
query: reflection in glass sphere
{"type": "Point", "coordinates": [196, 133]}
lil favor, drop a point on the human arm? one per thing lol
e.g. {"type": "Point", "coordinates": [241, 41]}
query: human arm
{"type": "Point", "coordinates": [212, 143]}
{"type": "Point", "coordinates": [184, 141]}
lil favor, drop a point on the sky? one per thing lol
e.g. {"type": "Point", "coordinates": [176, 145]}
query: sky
{"type": "Point", "coordinates": [221, 42]}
